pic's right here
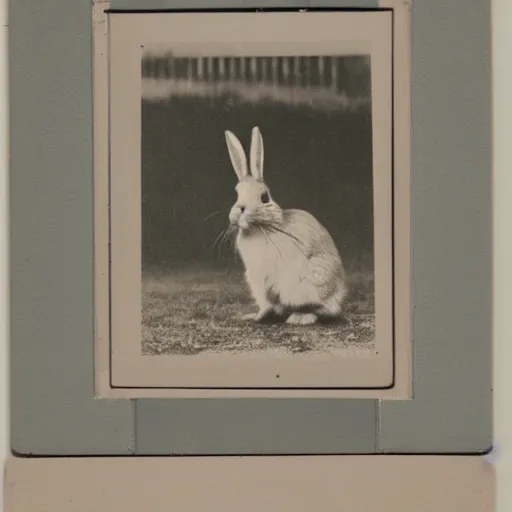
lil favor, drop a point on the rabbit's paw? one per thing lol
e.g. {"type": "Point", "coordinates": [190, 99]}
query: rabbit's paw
{"type": "Point", "coordinates": [264, 314]}
{"type": "Point", "coordinates": [302, 319]}
{"type": "Point", "coordinates": [260, 316]}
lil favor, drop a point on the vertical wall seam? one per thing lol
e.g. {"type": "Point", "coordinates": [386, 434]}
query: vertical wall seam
{"type": "Point", "coordinates": [377, 426]}
{"type": "Point", "coordinates": [134, 449]}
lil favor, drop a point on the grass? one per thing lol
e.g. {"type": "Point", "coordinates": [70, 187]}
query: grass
{"type": "Point", "coordinates": [194, 311]}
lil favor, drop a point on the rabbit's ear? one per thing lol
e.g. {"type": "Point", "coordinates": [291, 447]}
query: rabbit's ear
{"type": "Point", "coordinates": [257, 154]}
{"type": "Point", "coordinates": [237, 155]}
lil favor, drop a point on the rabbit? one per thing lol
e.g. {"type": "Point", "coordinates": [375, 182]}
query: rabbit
{"type": "Point", "coordinates": [292, 266]}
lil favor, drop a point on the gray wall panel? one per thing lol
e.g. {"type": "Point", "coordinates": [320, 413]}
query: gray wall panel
{"type": "Point", "coordinates": [53, 409]}
{"type": "Point", "coordinates": [451, 98]}
{"type": "Point", "coordinates": [53, 412]}
{"type": "Point", "coordinates": [254, 426]}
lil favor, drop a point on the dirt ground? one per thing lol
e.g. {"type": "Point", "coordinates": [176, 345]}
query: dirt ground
{"type": "Point", "coordinates": [194, 311]}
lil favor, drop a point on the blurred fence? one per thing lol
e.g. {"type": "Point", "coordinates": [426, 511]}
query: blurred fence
{"type": "Point", "coordinates": [327, 80]}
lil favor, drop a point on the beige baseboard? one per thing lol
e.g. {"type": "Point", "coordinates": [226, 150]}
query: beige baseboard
{"type": "Point", "coordinates": [251, 484]}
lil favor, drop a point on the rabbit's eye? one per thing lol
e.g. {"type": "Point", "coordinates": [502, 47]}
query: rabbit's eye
{"type": "Point", "coordinates": [265, 198]}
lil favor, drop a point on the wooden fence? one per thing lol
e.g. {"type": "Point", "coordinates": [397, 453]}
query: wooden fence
{"type": "Point", "coordinates": [330, 79]}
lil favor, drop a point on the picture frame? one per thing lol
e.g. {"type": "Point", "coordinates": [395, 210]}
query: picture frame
{"type": "Point", "coordinates": [385, 372]}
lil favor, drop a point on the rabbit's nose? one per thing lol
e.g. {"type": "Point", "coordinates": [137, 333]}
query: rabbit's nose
{"type": "Point", "coordinates": [242, 209]}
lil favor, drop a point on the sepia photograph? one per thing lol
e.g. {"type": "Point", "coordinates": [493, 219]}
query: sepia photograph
{"type": "Point", "coordinates": [257, 203]}
{"type": "Point", "coordinates": [251, 201]}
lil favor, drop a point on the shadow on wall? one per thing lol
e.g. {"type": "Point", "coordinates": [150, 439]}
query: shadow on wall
{"type": "Point", "coordinates": [320, 161]}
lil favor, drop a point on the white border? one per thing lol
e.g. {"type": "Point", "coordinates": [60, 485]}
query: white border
{"type": "Point", "coordinates": [362, 33]}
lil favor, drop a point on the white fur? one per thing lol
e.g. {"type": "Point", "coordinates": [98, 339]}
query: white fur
{"type": "Point", "coordinates": [256, 158]}
{"type": "Point", "coordinates": [275, 263]}
{"type": "Point", "coordinates": [237, 155]}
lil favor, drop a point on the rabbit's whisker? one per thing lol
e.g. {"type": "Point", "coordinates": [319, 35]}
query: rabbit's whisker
{"type": "Point", "coordinates": [269, 238]}
{"type": "Point", "coordinates": [233, 245]}
{"type": "Point", "coordinates": [211, 215]}
{"type": "Point", "coordinates": [234, 231]}
{"type": "Point", "coordinates": [223, 240]}
{"type": "Point", "coordinates": [219, 236]}
{"type": "Point", "coordinates": [298, 243]}
{"type": "Point", "coordinates": [225, 235]}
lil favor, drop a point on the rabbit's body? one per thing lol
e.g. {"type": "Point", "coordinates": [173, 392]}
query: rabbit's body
{"type": "Point", "coordinates": [295, 269]}
{"type": "Point", "coordinates": [292, 265]}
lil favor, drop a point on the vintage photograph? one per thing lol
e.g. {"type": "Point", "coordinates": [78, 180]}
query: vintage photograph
{"type": "Point", "coordinates": [257, 203]}
{"type": "Point", "coordinates": [251, 200]}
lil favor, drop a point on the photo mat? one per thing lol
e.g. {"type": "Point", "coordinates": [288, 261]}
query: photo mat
{"type": "Point", "coordinates": [324, 113]}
